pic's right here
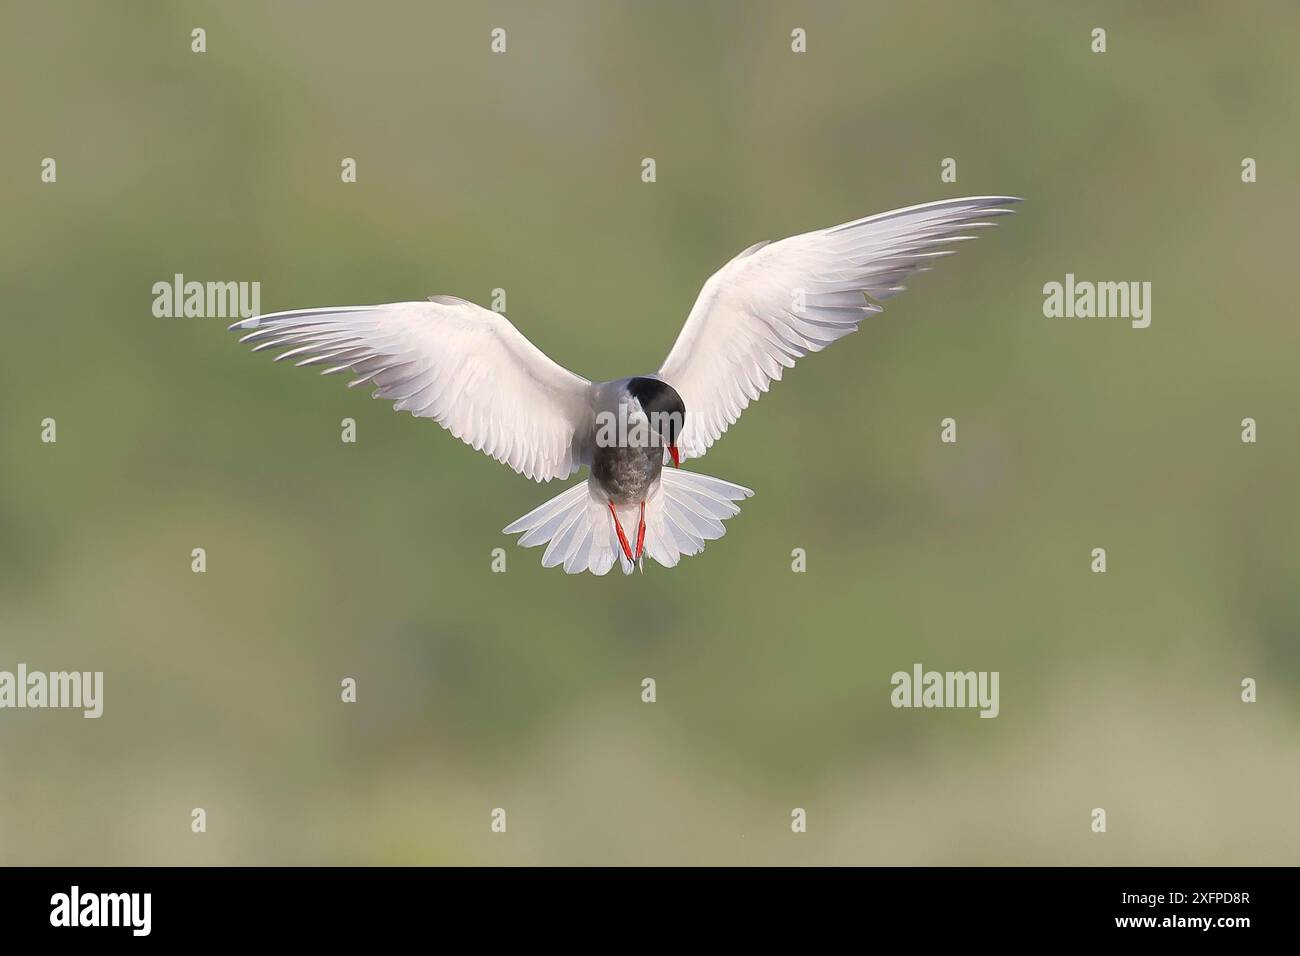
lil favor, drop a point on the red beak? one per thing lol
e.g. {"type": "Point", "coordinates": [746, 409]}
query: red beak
{"type": "Point", "coordinates": [677, 461]}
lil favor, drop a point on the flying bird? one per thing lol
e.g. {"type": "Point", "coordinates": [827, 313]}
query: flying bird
{"type": "Point", "coordinates": [470, 370]}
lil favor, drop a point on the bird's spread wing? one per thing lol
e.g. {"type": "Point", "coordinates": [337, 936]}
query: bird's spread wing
{"type": "Point", "coordinates": [776, 302]}
{"type": "Point", "coordinates": [464, 366]}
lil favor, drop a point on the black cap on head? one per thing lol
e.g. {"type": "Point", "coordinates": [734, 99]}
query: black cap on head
{"type": "Point", "coordinates": [665, 408]}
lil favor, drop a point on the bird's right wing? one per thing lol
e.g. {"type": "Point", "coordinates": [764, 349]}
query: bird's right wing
{"type": "Point", "coordinates": [776, 302]}
{"type": "Point", "coordinates": [464, 366]}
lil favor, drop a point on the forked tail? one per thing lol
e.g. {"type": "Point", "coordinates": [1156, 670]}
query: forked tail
{"type": "Point", "coordinates": [683, 510]}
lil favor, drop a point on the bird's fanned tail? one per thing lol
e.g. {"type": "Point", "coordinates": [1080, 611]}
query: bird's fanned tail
{"type": "Point", "coordinates": [684, 509]}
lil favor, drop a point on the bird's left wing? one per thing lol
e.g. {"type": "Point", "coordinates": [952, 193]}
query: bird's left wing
{"type": "Point", "coordinates": [776, 302]}
{"type": "Point", "coordinates": [464, 366]}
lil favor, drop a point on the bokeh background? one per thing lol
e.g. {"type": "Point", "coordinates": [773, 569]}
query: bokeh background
{"type": "Point", "coordinates": [522, 690]}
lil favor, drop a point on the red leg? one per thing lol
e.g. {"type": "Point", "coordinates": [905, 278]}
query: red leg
{"type": "Point", "coordinates": [622, 538]}
{"type": "Point", "coordinates": [640, 533]}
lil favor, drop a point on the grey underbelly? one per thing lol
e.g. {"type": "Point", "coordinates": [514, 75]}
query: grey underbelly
{"type": "Point", "coordinates": [626, 474]}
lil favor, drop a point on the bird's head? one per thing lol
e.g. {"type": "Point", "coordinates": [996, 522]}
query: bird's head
{"type": "Point", "coordinates": [664, 408]}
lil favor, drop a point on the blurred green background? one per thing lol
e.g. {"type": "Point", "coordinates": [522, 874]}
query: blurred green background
{"type": "Point", "coordinates": [522, 690]}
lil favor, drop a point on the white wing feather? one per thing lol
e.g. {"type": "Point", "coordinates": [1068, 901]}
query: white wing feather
{"type": "Point", "coordinates": [776, 302]}
{"type": "Point", "coordinates": [464, 366]}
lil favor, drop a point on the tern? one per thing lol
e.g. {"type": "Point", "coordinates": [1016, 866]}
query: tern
{"type": "Point", "coordinates": [470, 370]}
